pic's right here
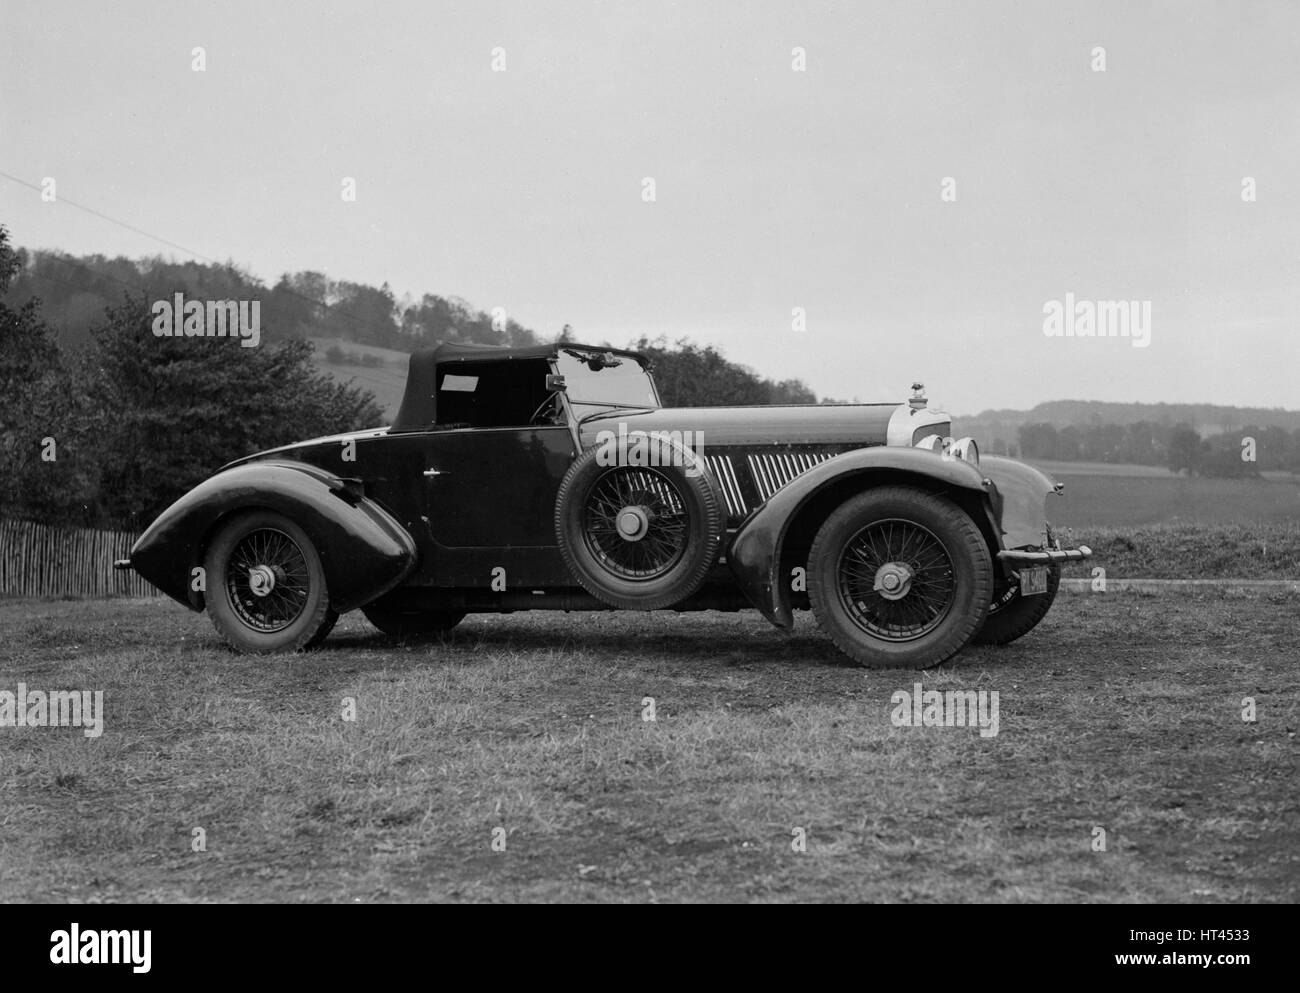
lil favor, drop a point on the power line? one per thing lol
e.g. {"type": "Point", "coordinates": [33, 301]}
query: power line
{"type": "Point", "coordinates": [113, 220]}
{"type": "Point", "coordinates": [333, 308]}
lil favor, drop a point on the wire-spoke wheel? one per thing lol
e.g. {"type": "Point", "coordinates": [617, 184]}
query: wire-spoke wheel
{"type": "Point", "coordinates": [266, 579]}
{"type": "Point", "coordinates": [641, 536]}
{"type": "Point", "coordinates": [266, 587]}
{"type": "Point", "coordinates": [899, 577]}
{"type": "Point", "coordinates": [636, 523]}
{"type": "Point", "coordinates": [896, 580]}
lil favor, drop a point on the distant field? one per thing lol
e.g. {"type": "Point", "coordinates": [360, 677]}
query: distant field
{"type": "Point", "coordinates": [1129, 469]}
{"type": "Point", "coordinates": [1101, 469]}
{"type": "Point", "coordinates": [1114, 500]}
{"type": "Point", "coordinates": [386, 382]}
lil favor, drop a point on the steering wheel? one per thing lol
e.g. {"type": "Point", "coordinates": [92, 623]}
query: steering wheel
{"type": "Point", "coordinates": [548, 402]}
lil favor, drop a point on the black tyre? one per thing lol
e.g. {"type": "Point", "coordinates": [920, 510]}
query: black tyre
{"type": "Point", "coordinates": [640, 537]}
{"type": "Point", "coordinates": [899, 578]}
{"type": "Point", "coordinates": [265, 585]}
{"type": "Point", "coordinates": [322, 632]}
{"type": "Point", "coordinates": [412, 623]}
{"type": "Point", "coordinates": [1011, 616]}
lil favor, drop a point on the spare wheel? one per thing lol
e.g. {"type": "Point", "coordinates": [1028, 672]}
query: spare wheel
{"type": "Point", "coordinates": [639, 529]}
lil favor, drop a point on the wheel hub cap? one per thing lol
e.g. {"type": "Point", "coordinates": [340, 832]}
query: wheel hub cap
{"type": "Point", "coordinates": [633, 523]}
{"type": "Point", "coordinates": [261, 580]}
{"type": "Point", "coordinates": [893, 580]}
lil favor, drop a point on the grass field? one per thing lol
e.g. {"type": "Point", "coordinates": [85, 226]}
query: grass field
{"type": "Point", "coordinates": [1120, 712]}
{"type": "Point", "coordinates": [1114, 500]}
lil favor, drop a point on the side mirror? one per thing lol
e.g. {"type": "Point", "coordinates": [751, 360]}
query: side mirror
{"type": "Point", "coordinates": [554, 382]}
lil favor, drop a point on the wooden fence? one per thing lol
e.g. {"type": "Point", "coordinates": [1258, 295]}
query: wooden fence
{"type": "Point", "coordinates": [40, 560]}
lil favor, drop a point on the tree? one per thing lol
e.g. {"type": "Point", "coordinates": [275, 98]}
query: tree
{"type": "Point", "coordinates": [1038, 441]}
{"type": "Point", "coordinates": [1185, 450]}
{"type": "Point", "coordinates": [166, 412]}
{"type": "Point", "coordinates": [42, 478]}
{"type": "Point", "coordinates": [1225, 462]}
{"type": "Point", "coordinates": [692, 376]}
{"type": "Point", "coordinates": [75, 290]}
{"type": "Point", "coordinates": [295, 305]}
{"type": "Point", "coordinates": [791, 391]}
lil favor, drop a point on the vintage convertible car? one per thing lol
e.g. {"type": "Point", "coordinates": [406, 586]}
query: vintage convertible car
{"type": "Point", "coordinates": [551, 478]}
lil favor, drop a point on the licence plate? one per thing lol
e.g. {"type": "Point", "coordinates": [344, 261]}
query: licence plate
{"type": "Point", "coordinates": [1033, 581]}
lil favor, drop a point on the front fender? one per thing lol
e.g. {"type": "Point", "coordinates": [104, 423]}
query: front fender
{"type": "Point", "coordinates": [754, 555]}
{"type": "Point", "coordinates": [363, 550]}
{"type": "Point", "coordinates": [1021, 500]}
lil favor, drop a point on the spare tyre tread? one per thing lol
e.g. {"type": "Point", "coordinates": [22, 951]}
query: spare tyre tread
{"type": "Point", "coordinates": [706, 512]}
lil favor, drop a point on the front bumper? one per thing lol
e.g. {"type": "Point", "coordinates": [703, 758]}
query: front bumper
{"type": "Point", "coordinates": [1049, 555]}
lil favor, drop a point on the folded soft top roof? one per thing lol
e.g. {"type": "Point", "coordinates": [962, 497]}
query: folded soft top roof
{"type": "Point", "coordinates": [418, 401]}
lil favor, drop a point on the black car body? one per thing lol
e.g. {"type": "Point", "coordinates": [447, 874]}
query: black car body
{"type": "Point", "coordinates": [550, 477]}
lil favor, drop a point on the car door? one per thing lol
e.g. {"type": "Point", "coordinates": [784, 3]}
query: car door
{"type": "Point", "coordinates": [490, 502]}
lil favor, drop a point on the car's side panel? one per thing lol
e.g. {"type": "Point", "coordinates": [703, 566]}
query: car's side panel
{"type": "Point", "coordinates": [754, 555]}
{"type": "Point", "coordinates": [364, 551]}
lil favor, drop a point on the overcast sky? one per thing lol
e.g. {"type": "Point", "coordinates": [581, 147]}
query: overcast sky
{"type": "Point", "coordinates": [775, 188]}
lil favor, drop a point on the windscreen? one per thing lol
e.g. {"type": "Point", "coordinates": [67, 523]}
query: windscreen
{"type": "Point", "coordinates": [624, 384]}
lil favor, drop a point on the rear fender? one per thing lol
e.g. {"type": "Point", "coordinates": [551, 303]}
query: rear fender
{"type": "Point", "coordinates": [363, 550]}
{"type": "Point", "coordinates": [755, 553]}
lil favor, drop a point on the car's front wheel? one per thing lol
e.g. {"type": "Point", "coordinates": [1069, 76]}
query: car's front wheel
{"type": "Point", "coordinates": [899, 578]}
{"type": "Point", "coordinates": [1013, 616]}
{"type": "Point", "coordinates": [266, 587]}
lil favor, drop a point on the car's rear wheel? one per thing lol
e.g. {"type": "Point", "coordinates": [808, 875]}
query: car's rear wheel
{"type": "Point", "coordinates": [266, 587]}
{"type": "Point", "coordinates": [1013, 616]}
{"type": "Point", "coordinates": [642, 536]}
{"type": "Point", "coordinates": [412, 623]}
{"type": "Point", "coordinates": [899, 578]}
